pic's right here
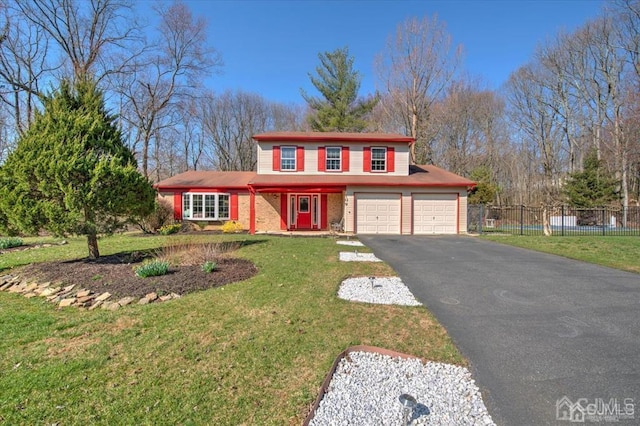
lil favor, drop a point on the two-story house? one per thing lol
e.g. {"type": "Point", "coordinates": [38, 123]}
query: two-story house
{"type": "Point", "coordinates": [311, 181]}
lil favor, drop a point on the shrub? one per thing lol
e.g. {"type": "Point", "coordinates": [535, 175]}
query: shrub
{"type": "Point", "coordinates": [231, 226]}
{"type": "Point", "coordinates": [209, 266]}
{"type": "Point", "coordinates": [10, 242]}
{"type": "Point", "coordinates": [170, 229]}
{"type": "Point", "coordinates": [162, 215]}
{"type": "Point", "coordinates": [153, 269]}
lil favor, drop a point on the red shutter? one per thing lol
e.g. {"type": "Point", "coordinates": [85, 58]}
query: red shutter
{"type": "Point", "coordinates": [177, 205]}
{"type": "Point", "coordinates": [300, 159]}
{"type": "Point", "coordinates": [276, 158]}
{"type": "Point", "coordinates": [366, 159]}
{"type": "Point", "coordinates": [391, 159]}
{"type": "Point", "coordinates": [283, 211]}
{"type": "Point", "coordinates": [345, 158]}
{"type": "Point", "coordinates": [322, 157]}
{"type": "Point", "coordinates": [233, 213]}
{"type": "Point", "coordinates": [323, 211]}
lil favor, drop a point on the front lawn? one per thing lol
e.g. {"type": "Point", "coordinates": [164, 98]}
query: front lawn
{"type": "Point", "coordinates": [253, 352]}
{"type": "Point", "coordinates": [615, 252]}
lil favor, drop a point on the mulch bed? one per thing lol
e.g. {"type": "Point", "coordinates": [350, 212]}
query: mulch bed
{"type": "Point", "coordinates": [116, 274]}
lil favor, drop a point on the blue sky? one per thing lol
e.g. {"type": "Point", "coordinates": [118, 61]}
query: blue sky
{"type": "Point", "coordinates": [270, 47]}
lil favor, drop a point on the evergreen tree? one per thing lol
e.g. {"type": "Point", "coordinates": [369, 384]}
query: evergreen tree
{"type": "Point", "coordinates": [71, 172]}
{"type": "Point", "coordinates": [593, 186]}
{"type": "Point", "coordinates": [485, 190]}
{"type": "Point", "coordinates": [339, 109]}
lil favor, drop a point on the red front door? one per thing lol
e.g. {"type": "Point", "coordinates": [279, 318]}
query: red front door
{"type": "Point", "coordinates": [303, 217]}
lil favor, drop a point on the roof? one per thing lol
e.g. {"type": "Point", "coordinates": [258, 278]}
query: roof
{"type": "Point", "coordinates": [207, 179]}
{"type": "Point", "coordinates": [419, 176]}
{"type": "Point", "coordinates": [331, 137]}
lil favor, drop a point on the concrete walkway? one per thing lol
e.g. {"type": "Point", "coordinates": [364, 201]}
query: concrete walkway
{"type": "Point", "coordinates": [536, 328]}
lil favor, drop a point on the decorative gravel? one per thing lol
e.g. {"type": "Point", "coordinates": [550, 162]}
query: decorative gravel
{"type": "Point", "coordinates": [350, 243]}
{"type": "Point", "coordinates": [366, 387]}
{"type": "Point", "coordinates": [384, 291]}
{"type": "Point", "coordinates": [349, 256]}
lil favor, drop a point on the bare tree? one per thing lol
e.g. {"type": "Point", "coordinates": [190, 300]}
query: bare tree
{"type": "Point", "coordinates": [87, 33]}
{"type": "Point", "coordinates": [538, 124]}
{"type": "Point", "coordinates": [23, 53]}
{"type": "Point", "coordinates": [172, 72]}
{"type": "Point", "coordinates": [413, 72]}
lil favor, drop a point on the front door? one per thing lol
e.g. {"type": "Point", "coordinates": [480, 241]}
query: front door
{"type": "Point", "coordinates": [303, 217]}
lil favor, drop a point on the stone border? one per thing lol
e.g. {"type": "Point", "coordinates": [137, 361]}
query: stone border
{"type": "Point", "coordinates": [65, 296]}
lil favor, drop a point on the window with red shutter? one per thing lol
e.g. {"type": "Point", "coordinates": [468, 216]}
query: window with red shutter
{"type": "Point", "coordinates": [276, 158]}
{"type": "Point", "coordinates": [321, 159]}
{"type": "Point", "coordinates": [366, 159]}
{"type": "Point", "coordinates": [300, 159]}
{"type": "Point", "coordinates": [345, 158]}
{"type": "Point", "coordinates": [391, 159]}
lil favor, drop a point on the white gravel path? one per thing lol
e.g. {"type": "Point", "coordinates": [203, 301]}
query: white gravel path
{"type": "Point", "coordinates": [350, 256]}
{"type": "Point", "coordinates": [350, 243]}
{"type": "Point", "coordinates": [384, 291]}
{"type": "Point", "coordinates": [366, 386]}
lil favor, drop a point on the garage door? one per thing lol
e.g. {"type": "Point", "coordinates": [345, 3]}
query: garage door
{"type": "Point", "coordinates": [378, 213]}
{"type": "Point", "coordinates": [435, 213]}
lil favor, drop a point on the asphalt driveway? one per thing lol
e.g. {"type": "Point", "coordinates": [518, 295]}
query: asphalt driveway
{"type": "Point", "coordinates": [536, 328]}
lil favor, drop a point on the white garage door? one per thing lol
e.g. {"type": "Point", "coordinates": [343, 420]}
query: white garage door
{"type": "Point", "coordinates": [435, 213]}
{"type": "Point", "coordinates": [377, 213]}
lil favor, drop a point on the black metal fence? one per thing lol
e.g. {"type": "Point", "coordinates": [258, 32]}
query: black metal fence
{"type": "Point", "coordinates": [561, 220]}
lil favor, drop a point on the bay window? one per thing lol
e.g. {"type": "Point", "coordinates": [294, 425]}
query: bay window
{"type": "Point", "coordinates": [205, 206]}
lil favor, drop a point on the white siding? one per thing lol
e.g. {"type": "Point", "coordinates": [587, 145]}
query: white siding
{"type": "Point", "coordinates": [356, 167]}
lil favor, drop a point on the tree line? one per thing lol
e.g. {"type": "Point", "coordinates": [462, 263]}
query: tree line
{"type": "Point", "coordinates": [524, 141]}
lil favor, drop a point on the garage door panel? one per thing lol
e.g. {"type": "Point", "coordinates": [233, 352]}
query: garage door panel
{"type": "Point", "coordinates": [378, 213]}
{"type": "Point", "coordinates": [435, 213]}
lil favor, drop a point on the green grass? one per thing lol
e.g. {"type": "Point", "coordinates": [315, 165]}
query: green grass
{"type": "Point", "coordinates": [615, 252]}
{"type": "Point", "coordinates": [253, 352]}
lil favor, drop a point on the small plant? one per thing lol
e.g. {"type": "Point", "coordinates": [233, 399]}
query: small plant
{"type": "Point", "coordinates": [10, 242]}
{"type": "Point", "coordinates": [202, 224]}
{"type": "Point", "coordinates": [170, 229]}
{"type": "Point", "coordinates": [231, 226]}
{"type": "Point", "coordinates": [209, 266]}
{"type": "Point", "coordinates": [152, 269]}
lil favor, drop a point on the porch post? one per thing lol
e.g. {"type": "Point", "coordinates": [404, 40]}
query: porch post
{"type": "Point", "coordinates": [252, 211]}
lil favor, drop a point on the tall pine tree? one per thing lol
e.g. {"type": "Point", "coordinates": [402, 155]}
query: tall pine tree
{"type": "Point", "coordinates": [593, 186]}
{"type": "Point", "coordinates": [71, 172]}
{"type": "Point", "coordinates": [338, 109]}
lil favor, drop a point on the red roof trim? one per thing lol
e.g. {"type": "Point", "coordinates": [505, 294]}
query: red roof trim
{"type": "Point", "coordinates": [331, 137]}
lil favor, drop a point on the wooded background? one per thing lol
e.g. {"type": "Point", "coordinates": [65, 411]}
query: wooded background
{"type": "Point", "coordinates": [579, 92]}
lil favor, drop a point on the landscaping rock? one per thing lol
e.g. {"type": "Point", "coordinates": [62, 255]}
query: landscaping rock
{"type": "Point", "coordinates": [126, 301]}
{"type": "Point", "coordinates": [165, 298]}
{"type": "Point", "coordinates": [151, 296]}
{"type": "Point", "coordinates": [85, 299]}
{"type": "Point", "coordinates": [103, 297]}
{"type": "Point", "coordinates": [67, 302]}
{"type": "Point", "coordinates": [83, 293]}
{"type": "Point", "coordinates": [96, 305]}
{"type": "Point", "coordinates": [6, 285]}
{"type": "Point", "coordinates": [30, 295]}
{"type": "Point", "coordinates": [50, 291]}
{"type": "Point", "coordinates": [143, 301]}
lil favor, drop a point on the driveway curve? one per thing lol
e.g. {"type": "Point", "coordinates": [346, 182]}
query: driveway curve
{"type": "Point", "coordinates": [549, 339]}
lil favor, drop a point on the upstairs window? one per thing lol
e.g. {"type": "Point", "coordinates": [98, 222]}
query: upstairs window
{"type": "Point", "coordinates": [288, 158]}
{"type": "Point", "coordinates": [334, 157]}
{"type": "Point", "coordinates": [378, 159]}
